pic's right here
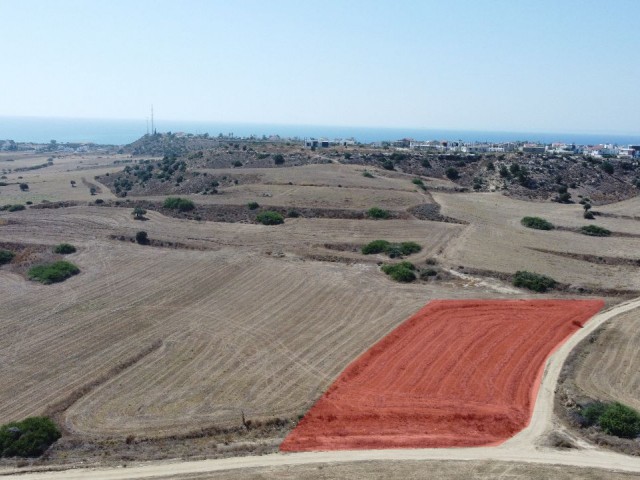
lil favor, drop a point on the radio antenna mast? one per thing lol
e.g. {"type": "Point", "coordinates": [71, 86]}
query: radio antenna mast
{"type": "Point", "coordinates": [153, 129]}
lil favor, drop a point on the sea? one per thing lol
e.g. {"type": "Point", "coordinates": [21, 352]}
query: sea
{"type": "Point", "coordinates": [122, 132]}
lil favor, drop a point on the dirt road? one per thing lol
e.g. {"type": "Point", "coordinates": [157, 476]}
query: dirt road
{"type": "Point", "coordinates": [520, 449]}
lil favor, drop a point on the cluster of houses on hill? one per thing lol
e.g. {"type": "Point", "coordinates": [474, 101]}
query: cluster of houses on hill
{"type": "Point", "coordinates": [602, 150]}
{"type": "Point", "coordinates": [445, 146]}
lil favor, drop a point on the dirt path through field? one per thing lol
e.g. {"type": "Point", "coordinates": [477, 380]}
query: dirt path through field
{"type": "Point", "coordinates": [522, 448]}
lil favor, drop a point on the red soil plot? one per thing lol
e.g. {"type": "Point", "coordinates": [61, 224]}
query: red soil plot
{"type": "Point", "coordinates": [458, 373]}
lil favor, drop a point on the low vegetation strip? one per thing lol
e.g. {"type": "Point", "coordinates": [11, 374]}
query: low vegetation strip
{"type": "Point", "coordinates": [457, 373]}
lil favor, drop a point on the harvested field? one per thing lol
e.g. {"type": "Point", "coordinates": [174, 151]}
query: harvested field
{"type": "Point", "coordinates": [241, 330]}
{"type": "Point", "coordinates": [457, 373]}
{"type": "Point", "coordinates": [610, 370]}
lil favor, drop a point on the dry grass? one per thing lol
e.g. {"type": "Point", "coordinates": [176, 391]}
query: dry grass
{"type": "Point", "coordinates": [320, 186]}
{"type": "Point", "coordinates": [414, 470]}
{"type": "Point", "coordinates": [54, 183]}
{"type": "Point", "coordinates": [610, 369]}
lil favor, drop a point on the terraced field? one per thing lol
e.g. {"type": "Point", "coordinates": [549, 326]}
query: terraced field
{"type": "Point", "coordinates": [495, 240]}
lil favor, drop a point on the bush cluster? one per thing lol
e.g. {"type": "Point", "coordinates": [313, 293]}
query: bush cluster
{"type": "Point", "coordinates": [177, 203]}
{"type": "Point", "coordinates": [533, 281]}
{"type": "Point", "coordinates": [64, 248]}
{"type": "Point", "coordinates": [378, 213]}
{"type": "Point", "coordinates": [595, 231]}
{"type": "Point", "coordinates": [6, 256]}
{"type": "Point", "coordinates": [394, 250]}
{"type": "Point", "coordinates": [269, 217]}
{"type": "Point", "coordinates": [13, 208]}
{"type": "Point", "coordinates": [28, 438]}
{"type": "Point", "coordinates": [400, 272]}
{"type": "Point", "coordinates": [614, 418]}
{"type": "Point", "coordinates": [53, 272]}
{"type": "Point", "coordinates": [537, 223]}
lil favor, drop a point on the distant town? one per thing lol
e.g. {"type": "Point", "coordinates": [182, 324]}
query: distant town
{"type": "Point", "coordinates": [603, 150]}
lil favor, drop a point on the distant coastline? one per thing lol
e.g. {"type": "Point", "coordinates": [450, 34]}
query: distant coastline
{"type": "Point", "coordinates": [122, 132]}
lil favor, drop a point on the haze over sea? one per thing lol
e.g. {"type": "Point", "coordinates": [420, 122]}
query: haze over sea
{"type": "Point", "coordinates": [121, 132]}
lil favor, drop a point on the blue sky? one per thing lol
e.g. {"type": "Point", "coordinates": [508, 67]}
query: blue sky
{"type": "Point", "coordinates": [508, 65]}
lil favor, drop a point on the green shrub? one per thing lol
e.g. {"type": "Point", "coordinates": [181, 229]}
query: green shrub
{"type": "Point", "coordinates": [394, 250]}
{"type": "Point", "coordinates": [237, 163]}
{"type": "Point", "coordinates": [452, 173]}
{"type": "Point", "coordinates": [593, 412]}
{"type": "Point", "coordinates": [367, 174]}
{"type": "Point", "coordinates": [429, 272]}
{"type": "Point", "coordinates": [253, 205]}
{"type": "Point", "coordinates": [270, 217]}
{"type": "Point", "coordinates": [407, 248]}
{"type": "Point", "coordinates": [15, 208]}
{"type": "Point", "coordinates": [378, 213]}
{"type": "Point", "coordinates": [533, 281]}
{"type": "Point", "coordinates": [6, 256]}
{"type": "Point", "coordinates": [620, 420]}
{"type": "Point", "coordinates": [28, 438]}
{"type": "Point", "coordinates": [388, 164]}
{"type": "Point", "coordinates": [293, 214]}
{"type": "Point", "coordinates": [53, 272]}
{"type": "Point", "coordinates": [537, 223]}
{"type": "Point", "coordinates": [400, 272]}
{"type": "Point", "coordinates": [608, 168]}
{"type": "Point", "coordinates": [142, 237]}
{"type": "Point", "coordinates": [595, 231]}
{"type": "Point", "coordinates": [377, 246]}
{"type": "Point", "coordinates": [64, 248]}
{"type": "Point", "coordinates": [278, 159]}
{"type": "Point", "coordinates": [177, 203]}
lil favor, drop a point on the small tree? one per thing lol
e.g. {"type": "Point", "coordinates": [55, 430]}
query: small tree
{"type": "Point", "coordinates": [138, 213]}
{"type": "Point", "coordinates": [24, 187]}
{"type": "Point", "coordinates": [142, 238]}
{"type": "Point", "coordinates": [278, 159]}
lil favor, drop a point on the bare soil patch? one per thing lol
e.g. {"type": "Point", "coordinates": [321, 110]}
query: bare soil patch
{"type": "Point", "coordinates": [457, 373]}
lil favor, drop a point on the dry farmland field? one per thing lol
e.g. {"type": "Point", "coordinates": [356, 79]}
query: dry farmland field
{"type": "Point", "coordinates": [216, 338]}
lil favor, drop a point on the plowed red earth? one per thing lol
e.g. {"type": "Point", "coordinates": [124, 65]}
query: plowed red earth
{"type": "Point", "coordinates": [458, 373]}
